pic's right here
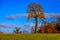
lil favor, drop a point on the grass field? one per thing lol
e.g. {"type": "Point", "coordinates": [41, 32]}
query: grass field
{"type": "Point", "coordinates": [29, 36]}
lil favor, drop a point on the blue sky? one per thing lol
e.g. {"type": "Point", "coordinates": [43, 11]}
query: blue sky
{"type": "Point", "coordinates": [14, 7]}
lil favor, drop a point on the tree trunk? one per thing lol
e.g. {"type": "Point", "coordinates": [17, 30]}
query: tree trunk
{"type": "Point", "coordinates": [36, 25]}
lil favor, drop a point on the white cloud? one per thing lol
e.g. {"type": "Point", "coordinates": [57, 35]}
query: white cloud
{"type": "Point", "coordinates": [10, 17]}
{"type": "Point", "coordinates": [7, 25]}
{"type": "Point", "coordinates": [16, 16]}
{"type": "Point", "coordinates": [47, 15]}
{"type": "Point", "coordinates": [52, 15]}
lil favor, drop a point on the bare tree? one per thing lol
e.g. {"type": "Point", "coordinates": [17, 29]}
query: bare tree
{"type": "Point", "coordinates": [17, 30]}
{"type": "Point", "coordinates": [35, 11]}
{"type": "Point", "coordinates": [32, 29]}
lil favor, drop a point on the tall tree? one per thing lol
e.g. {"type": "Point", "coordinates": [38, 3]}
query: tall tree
{"type": "Point", "coordinates": [35, 11]}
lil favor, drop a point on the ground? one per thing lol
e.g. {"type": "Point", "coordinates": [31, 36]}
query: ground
{"type": "Point", "coordinates": [29, 36]}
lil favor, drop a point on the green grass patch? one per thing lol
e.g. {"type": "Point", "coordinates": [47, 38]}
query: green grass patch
{"type": "Point", "coordinates": [29, 36]}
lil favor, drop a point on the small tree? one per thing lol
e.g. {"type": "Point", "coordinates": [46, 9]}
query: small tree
{"type": "Point", "coordinates": [17, 30]}
{"type": "Point", "coordinates": [32, 29]}
{"type": "Point", "coordinates": [35, 11]}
